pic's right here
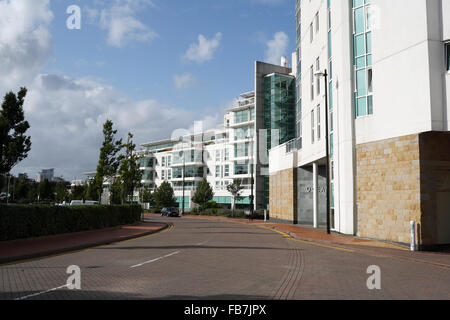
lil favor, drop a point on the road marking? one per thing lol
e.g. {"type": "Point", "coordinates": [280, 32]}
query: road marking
{"type": "Point", "coordinates": [202, 243]}
{"type": "Point", "coordinates": [70, 252]}
{"type": "Point", "coordinates": [154, 260]}
{"type": "Point", "coordinates": [39, 293]}
{"type": "Point", "coordinates": [289, 237]}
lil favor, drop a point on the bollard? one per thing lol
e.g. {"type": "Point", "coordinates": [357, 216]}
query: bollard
{"type": "Point", "coordinates": [265, 215]}
{"type": "Point", "coordinates": [413, 236]}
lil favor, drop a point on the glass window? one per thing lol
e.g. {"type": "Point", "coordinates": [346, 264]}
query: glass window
{"type": "Point", "coordinates": [241, 150]}
{"type": "Point", "coordinates": [447, 49]}
{"type": "Point", "coordinates": [217, 171]}
{"type": "Point", "coordinates": [227, 171]}
{"type": "Point", "coordinates": [241, 168]}
{"type": "Point", "coordinates": [217, 155]}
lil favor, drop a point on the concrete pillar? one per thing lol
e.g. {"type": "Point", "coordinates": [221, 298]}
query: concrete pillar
{"type": "Point", "coordinates": [315, 195]}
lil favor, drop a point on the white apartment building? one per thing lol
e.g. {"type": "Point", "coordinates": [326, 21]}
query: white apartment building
{"type": "Point", "coordinates": [389, 104]}
{"type": "Point", "coordinates": [219, 155]}
{"type": "Point", "coordinates": [260, 119]}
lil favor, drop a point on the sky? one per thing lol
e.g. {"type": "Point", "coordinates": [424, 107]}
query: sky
{"type": "Point", "coordinates": [150, 66]}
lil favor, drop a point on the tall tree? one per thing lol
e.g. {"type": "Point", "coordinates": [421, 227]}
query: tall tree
{"type": "Point", "coordinates": [78, 193]}
{"type": "Point", "coordinates": [203, 194]}
{"type": "Point", "coordinates": [108, 162]}
{"type": "Point", "coordinates": [164, 196]}
{"type": "Point", "coordinates": [61, 192]}
{"type": "Point", "coordinates": [130, 174]}
{"type": "Point", "coordinates": [236, 190]}
{"type": "Point", "coordinates": [45, 191]}
{"type": "Point", "coordinates": [14, 144]}
{"type": "Point", "coordinates": [146, 195]}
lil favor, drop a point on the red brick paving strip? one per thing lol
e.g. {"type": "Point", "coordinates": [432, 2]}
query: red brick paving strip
{"type": "Point", "coordinates": [12, 251]}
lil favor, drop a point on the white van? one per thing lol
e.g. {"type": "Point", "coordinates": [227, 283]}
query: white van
{"type": "Point", "coordinates": [81, 203]}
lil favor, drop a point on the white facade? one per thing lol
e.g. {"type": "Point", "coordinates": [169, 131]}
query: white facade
{"type": "Point", "coordinates": [405, 88]}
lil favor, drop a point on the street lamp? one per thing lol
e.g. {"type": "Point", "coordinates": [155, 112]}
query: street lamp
{"type": "Point", "coordinates": [184, 170]}
{"type": "Point", "coordinates": [251, 177]}
{"type": "Point", "coordinates": [324, 74]}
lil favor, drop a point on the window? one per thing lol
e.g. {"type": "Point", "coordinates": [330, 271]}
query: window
{"type": "Point", "coordinates": [241, 116]}
{"type": "Point", "coordinates": [226, 154]}
{"type": "Point", "coordinates": [362, 54]}
{"type": "Point", "coordinates": [447, 53]}
{"type": "Point", "coordinates": [311, 33]}
{"type": "Point", "coordinates": [241, 150]}
{"type": "Point", "coordinates": [217, 171]}
{"type": "Point", "coordinates": [169, 161]}
{"type": "Point", "coordinates": [241, 168]}
{"type": "Point", "coordinates": [318, 123]}
{"type": "Point", "coordinates": [317, 78]}
{"type": "Point", "coordinates": [163, 161]}
{"type": "Point", "coordinates": [169, 174]}
{"type": "Point", "coordinates": [227, 171]}
{"type": "Point", "coordinates": [217, 155]}
{"type": "Point", "coordinates": [317, 22]}
{"type": "Point", "coordinates": [312, 126]}
{"type": "Point", "coordinates": [163, 174]}
{"type": "Point", "coordinates": [312, 82]}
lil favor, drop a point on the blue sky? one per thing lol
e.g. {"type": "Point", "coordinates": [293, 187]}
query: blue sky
{"type": "Point", "coordinates": [146, 69]}
{"type": "Point", "coordinates": [151, 66]}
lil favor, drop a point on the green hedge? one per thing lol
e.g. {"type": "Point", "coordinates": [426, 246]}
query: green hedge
{"type": "Point", "coordinates": [258, 214]}
{"type": "Point", "coordinates": [22, 221]}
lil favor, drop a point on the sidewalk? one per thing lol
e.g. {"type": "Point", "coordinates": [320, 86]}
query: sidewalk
{"type": "Point", "coordinates": [18, 250]}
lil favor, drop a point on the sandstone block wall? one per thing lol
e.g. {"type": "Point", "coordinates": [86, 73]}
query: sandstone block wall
{"type": "Point", "coordinates": [283, 195]}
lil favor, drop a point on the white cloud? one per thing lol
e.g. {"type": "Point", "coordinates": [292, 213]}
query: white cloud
{"type": "Point", "coordinates": [203, 50]}
{"type": "Point", "coordinates": [25, 42]}
{"type": "Point", "coordinates": [276, 48]}
{"type": "Point", "coordinates": [184, 81]}
{"type": "Point", "coordinates": [120, 20]}
{"type": "Point", "coordinates": [66, 114]}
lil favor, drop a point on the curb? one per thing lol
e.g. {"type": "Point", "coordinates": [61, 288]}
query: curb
{"type": "Point", "coordinates": [75, 248]}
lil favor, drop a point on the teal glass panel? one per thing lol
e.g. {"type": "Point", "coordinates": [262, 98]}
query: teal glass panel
{"type": "Point", "coordinates": [360, 46]}
{"type": "Point", "coordinates": [361, 82]}
{"type": "Point", "coordinates": [359, 20]}
{"type": "Point", "coordinates": [361, 107]}
{"type": "Point", "coordinates": [370, 104]}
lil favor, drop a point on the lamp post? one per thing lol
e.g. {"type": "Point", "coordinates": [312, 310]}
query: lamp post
{"type": "Point", "coordinates": [251, 178]}
{"type": "Point", "coordinates": [184, 170]}
{"type": "Point", "coordinates": [324, 74]}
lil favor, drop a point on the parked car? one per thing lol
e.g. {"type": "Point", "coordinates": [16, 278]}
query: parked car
{"type": "Point", "coordinates": [170, 212]}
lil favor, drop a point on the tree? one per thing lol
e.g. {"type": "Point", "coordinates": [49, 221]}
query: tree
{"type": "Point", "coordinates": [203, 194]}
{"type": "Point", "coordinates": [61, 193]}
{"type": "Point", "coordinates": [164, 196]}
{"type": "Point", "coordinates": [145, 195]}
{"type": "Point", "coordinates": [78, 193]}
{"type": "Point", "coordinates": [236, 190]}
{"type": "Point", "coordinates": [130, 174]}
{"type": "Point", "coordinates": [14, 144]}
{"type": "Point", "coordinates": [116, 192]}
{"type": "Point", "coordinates": [108, 162]}
{"type": "Point", "coordinates": [45, 190]}
{"type": "Point", "coordinates": [21, 188]}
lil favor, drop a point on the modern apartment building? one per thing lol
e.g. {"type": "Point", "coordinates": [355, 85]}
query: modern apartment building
{"type": "Point", "coordinates": [232, 151]}
{"type": "Point", "coordinates": [389, 114]}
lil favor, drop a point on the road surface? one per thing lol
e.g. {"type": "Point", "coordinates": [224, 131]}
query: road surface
{"type": "Point", "coordinates": [221, 260]}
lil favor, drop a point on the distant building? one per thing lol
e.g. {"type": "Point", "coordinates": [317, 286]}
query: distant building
{"type": "Point", "coordinates": [45, 174]}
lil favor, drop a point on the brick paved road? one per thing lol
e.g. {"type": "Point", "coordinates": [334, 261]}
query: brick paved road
{"type": "Point", "coordinates": [207, 259]}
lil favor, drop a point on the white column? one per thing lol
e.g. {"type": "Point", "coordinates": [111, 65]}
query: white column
{"type": "Point", "coordinates": [315, 195]}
